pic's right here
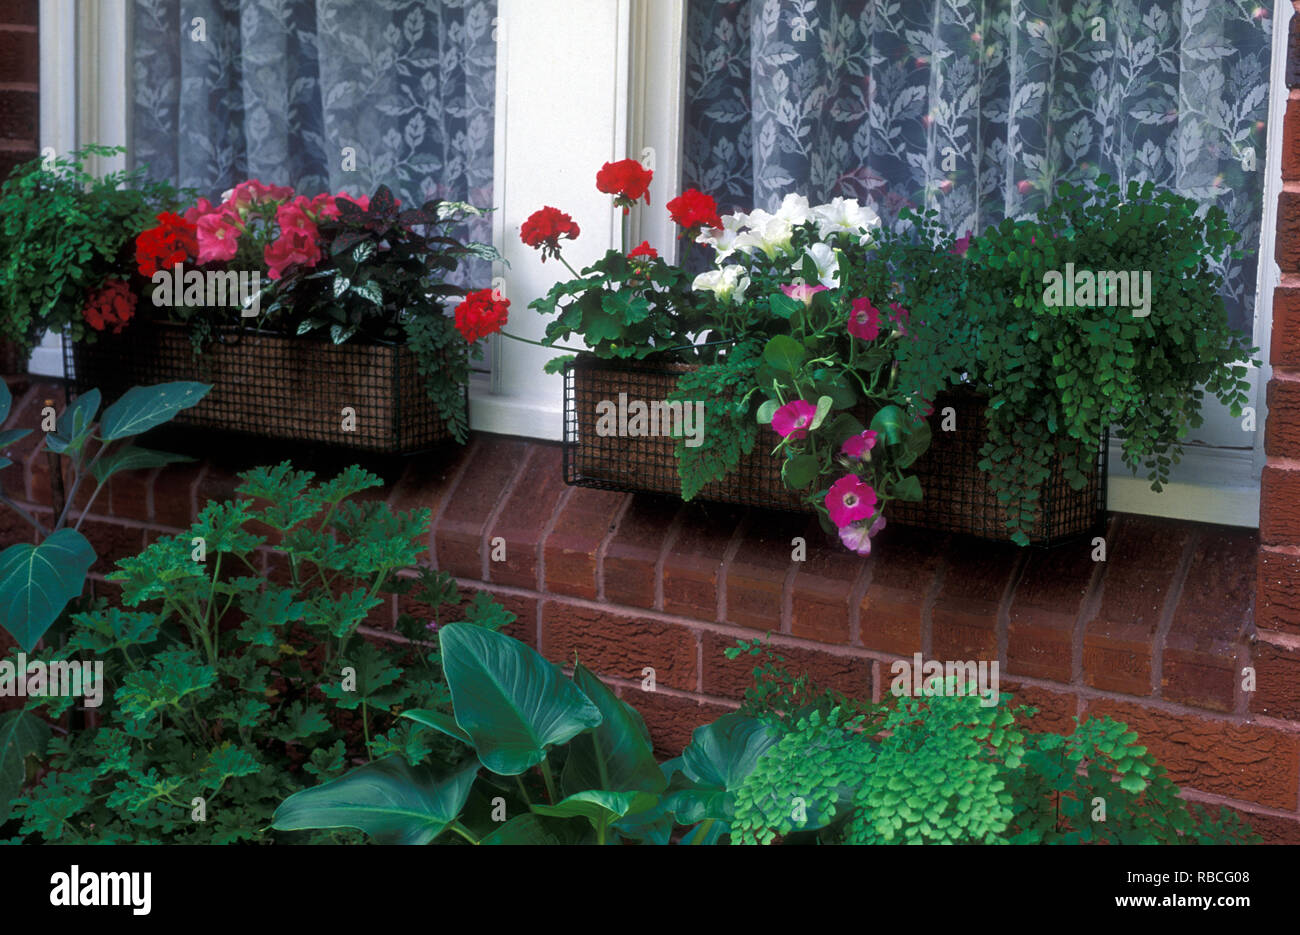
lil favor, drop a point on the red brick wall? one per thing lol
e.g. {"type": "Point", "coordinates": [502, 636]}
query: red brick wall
{"type": "Point", "coordinates": [19, 76]}
{"type": "Point", "coordinates": [1157, 635]}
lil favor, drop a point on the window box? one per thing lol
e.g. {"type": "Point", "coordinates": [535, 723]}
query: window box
{"type": "Point", "coordinates": [362, 396]}
{"type": "Point", "coordinates": [958, 497]}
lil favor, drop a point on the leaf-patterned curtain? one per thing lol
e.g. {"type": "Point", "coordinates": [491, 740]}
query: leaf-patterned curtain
{"type": "Point", "coordinates": [978, 108]}
{"type": "Point", "coordinates": [284, 90]}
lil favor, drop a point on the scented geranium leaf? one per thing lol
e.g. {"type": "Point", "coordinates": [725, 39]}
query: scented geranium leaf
{"type": "Point", "coordinates": [132, 458]}
{"type": "Point", "coordinates": [615, 755]}
{"type": "Point", "coordinates": [172, 677]}
{"type": "Point", "coordinates": [511, 701]}
{"type": "Point", "coordinates": [373, 674]}
{"type": "Point", "coordinates": [265, 611]}
{"type": "Point", "coordinates": [103, 631]}
{"type": "Point", "coordinates": [484, 611]}
{"type": "Point", "coordinates": [38, 581]}
{"type": "Point", "coordinates": [299, 721]}
{"type": "Point", "coordinates": [144, 407]}
{"type": "Point", "coordinates": [284, 491]}
{"type": "Point", "coordinates": [221, 526]}
{"type": "Point", "coordinates": [390, 800]}
{"type": "Point", "coordinates": [143, 788]}
{"type": "Point", "coordinates": [225, 762]}
{"type": "Point", "coordinates": [243, 712]}
{"type": "Point", "coordinates": [343, 614]}
{"type": "Point", "coordinates": [326, 763]}
{"type": "Point", "coordinates": [22, 734]}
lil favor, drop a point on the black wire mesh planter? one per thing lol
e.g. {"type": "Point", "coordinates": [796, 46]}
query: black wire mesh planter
{"type": "Point", "coordinates": [958, 497]}
{"type": "Point", "coordinates": [272, 386]}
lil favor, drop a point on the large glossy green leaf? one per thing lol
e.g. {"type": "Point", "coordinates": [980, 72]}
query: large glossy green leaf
{"type": "Point", "coordinates": [600, 807]}
{"type": "Point", "coordinates": [615, 755]}
{"type": "Point", "coordinates": [144, 407]}
{"type": "Point", "coordinates": [132, 458]}
{"type": "Point", "coordinates": [890, 423]}
{"type": "Point", "coordinates": [390, 800]}
{"type": "Point", "coordinates": [75, 425]}
{"type": "Point", "coordinates": [9, 436]}
{"type": "Point", "coordinates": [37, 581]}
{"type": "Point", "coordinates": [22, 733]}
{"type": "Point", "coordinates": [438, 721]}
{"type": "Point", "coordinates": [513, 703]}
{"type": "Point", "coordinates": [530, 829]}
{"type": "Point", "coordinates": [6, 401]}
{"type": "Point", "coordinates": [718, 759]}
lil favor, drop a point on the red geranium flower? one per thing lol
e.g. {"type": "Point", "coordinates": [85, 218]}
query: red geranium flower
{"type": "Point", "coordinates": [627, 180]}
{"type": "Point", "coordinates": [174, 240]}
{"type": "Point", "coordinates": [481, 314]}
{"type": "Point", "coordinates": [544, 228]}
{"type": "Point", "coordinates": [110, 306]}
{"type": "Point", "coordinates": [644, 249]}
{"type": "Point", "coordinates": [693, 209]}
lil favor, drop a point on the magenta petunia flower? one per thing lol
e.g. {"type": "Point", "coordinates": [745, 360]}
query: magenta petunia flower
{"type": "Point", "coordinates": [859, 446]}
{"type": "Point", "coordinates": [802, 293]}
{"type": "Point", "coordinates": [857, 537]}
{"type": "Point", "coordinates": [793, 419]}
{"type": "Point", "coordinates": [864, 320]}
{"type": "Point", "coordinates": [850, 500]}
{"type": "Point", "coordinates": [961, 245]}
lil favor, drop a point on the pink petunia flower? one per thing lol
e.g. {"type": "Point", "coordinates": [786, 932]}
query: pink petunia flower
{"type": "Point", "coordinates": [200, 208]}
{"type": "Point", "coordinates": [802, 292]}
{"type": "Point", "coordinates": [864, 320]}
{"type": "Point", "coordinates": [218, 237]}
{"type": "Point", "coordinates": [793, 419]}
{"type": "Point", "coordinates": [856, 537]}
{"type": "Point", "coordinates": [296, 246]}
{"type": "Point", "coordinates": [961, 245]}
{"type": "Point", "coordinates": [850, 500]}
{"type": "Point", "coordinates": [859, 447]}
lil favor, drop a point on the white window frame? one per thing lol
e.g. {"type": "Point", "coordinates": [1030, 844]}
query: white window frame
{"type": "Point", "coordinates": [582, 82]}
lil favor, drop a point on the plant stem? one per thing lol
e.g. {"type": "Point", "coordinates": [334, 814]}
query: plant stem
{"type": "Point", "coordinates": [522, 791]}
{"type": "Point", "coordinates": [550, 781]}
{"type": "Point", "coordinates": [463, 832]}
{"type": "Point", "coordinates": [39, 526]}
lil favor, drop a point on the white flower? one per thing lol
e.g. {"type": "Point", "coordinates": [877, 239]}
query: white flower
{"type": "Point", "coordinates": [730, 282]}
{"type": "Point", "coordinates": [845, 215]}
{"type": "Point", "coordinates": [772, 237]}
{"type": "Point", "coordinates": [794, 208]}
{"type": "Point", "coordinates": [723, 239]}
{"type": "Point", "coordinates": [828, 264]}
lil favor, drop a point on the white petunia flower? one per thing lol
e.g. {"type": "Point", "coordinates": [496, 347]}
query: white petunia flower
{"type": "Point", "coordinates": [794, 208]}
{"type": "Point", "coordinates": [772, 237]}
{"type": "Point", "coordinates": [723, 239]}
{"type": "Point", "coordinates": [828, 264]}
{"type": "Point", "coordinates": [845, 215]}
{"type": "Point", "coordinates": [728, 283]}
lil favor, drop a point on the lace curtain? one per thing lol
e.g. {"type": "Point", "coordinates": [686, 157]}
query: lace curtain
{"type": "Point", "coordinates": [979, 108]}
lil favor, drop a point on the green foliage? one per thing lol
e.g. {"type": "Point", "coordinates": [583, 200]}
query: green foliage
{"type": "Point", "coordinates": [37, 582]}
{"type": "Point", "coordinates": [383, 277]}
{"type": "Point", "coordinates": [949, 769]}
{"type": "Point", "coordinates": [521, 723]}
{"type": "Point", "coordinates": [236, 682]}
{"type": "Point", "coordinates": [1057, 375]}
{"type": "Point", "coordinates": [624, 308]}
{"type": "Point", "coordinates": [729, 430]}
{"type": "Point", "coordinates": [63, 230]}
